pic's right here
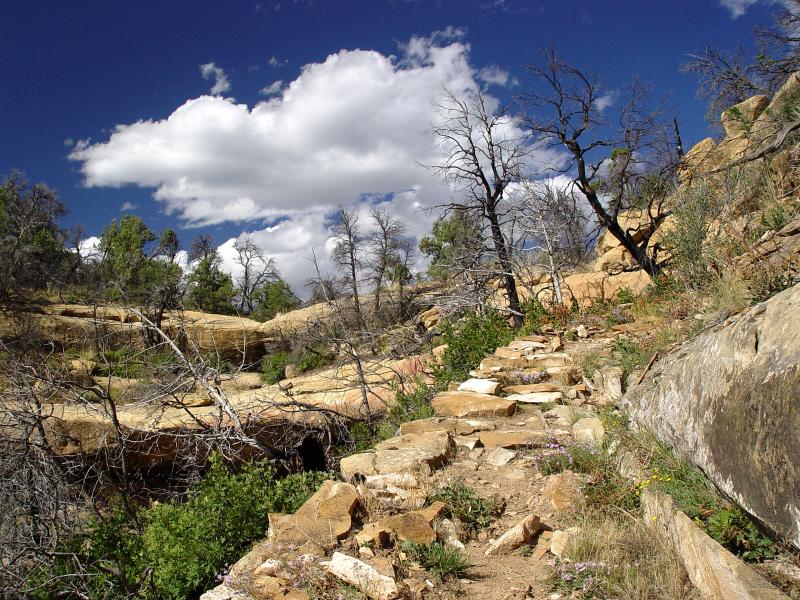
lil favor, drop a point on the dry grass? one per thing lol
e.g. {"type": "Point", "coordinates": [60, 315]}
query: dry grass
{"type": "Point", "coordinates": [640, 565]}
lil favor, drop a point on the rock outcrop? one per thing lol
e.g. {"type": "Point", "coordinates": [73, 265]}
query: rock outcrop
{"type": "Point", "coordinates": [726, 401]}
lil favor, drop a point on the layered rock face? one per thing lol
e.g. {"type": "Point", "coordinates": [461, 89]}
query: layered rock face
{"type": "Point", "coordinates": [727, 401]}
{"type": "Point", "coordinates": [233, 338]}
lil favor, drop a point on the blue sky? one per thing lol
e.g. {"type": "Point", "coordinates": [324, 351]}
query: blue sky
{"type": "Point", "coordinates": [352, 122]}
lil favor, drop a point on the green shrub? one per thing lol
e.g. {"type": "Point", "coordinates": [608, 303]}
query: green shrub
{"type": "Point", "coordinates": [629, 355]}
{"type": "Point", "coordinates": [462, 503]}
{"type": "Point", "coordinates": [625, 296]}
{"type": "Point", "coordinates": [441, 561]}
{"type": "Point", "coordinates": [411, 406]}
{"type": "Point", "coordinates": [469, 341]}
{"type": "Point", "coordinates": [312, 358]}
{"type": "Point", "coordinates": [182, 545]}
{"type": "Point", "coordinates": [732, 529]}
{"type": "Point", "coordinates": [273, 366]}
{"type": "Point", "coordinates": [695, 496]}
{"type": "Point", "coordinates": [536, 315]}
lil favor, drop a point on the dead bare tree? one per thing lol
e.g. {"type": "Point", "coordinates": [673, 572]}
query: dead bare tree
{"type": "Point", "coordinates": [69, 439]}
{"type": "Point", "coordinates": [256, 270]}
{"type": "Point", "coordinates": [385, 245]}
{"type": "Point", "coordinates": [627, 166]}
{"type": "Point", "coordinates": [727, 78]}
{"type": "Point", "coordinates": [347, 256]}
{"type": "Point", "coordinates": [554, 230]}
{"type": "Point", "coordinates": [483, 153]}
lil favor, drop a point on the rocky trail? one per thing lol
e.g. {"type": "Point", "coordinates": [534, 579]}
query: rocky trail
{"type": "Point", "coordinates": [523, 404]}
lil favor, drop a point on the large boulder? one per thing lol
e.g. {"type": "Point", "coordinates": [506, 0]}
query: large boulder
{"type": "Point", "coordinates": [726, 401]}
{"type": "Point", "coordinates": [324, 519]}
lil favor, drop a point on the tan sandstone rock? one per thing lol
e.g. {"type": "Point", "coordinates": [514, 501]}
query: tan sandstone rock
{"type": "Point", "coordinates": [470, 404]}
{"type": "Point", "coordinates": [363, 577]}
{"type": "Point", "coordinates": [522, 533]}
{"type": "Point", "coordinates": [324, 519]}
{"type": "Point", "coordinates": [562, 491]}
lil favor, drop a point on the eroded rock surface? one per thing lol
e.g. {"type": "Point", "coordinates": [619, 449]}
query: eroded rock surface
{"type": "Point", "coordinates": [726, 401]}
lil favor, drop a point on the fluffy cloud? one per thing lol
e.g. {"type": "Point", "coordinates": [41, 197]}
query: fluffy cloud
{"type": "Point", "coordinates": [351, 130]}
{"type": "Point", "coordinates": [212, 71]}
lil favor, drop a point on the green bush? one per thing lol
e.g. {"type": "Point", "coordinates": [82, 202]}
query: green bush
{"type": "Point", "coordinates": [462, 503]}
{"type": "Point", "coordinates": [441, 561]}
{"type": "Point", "coordinates": [469, 341]}
{"type": "Point", "coordinates": [312, 358]}
{"type": "Point", "coordinates": [737, 533]}
{"type": "Point", "coordinates": [695, 496]}
{"type": "Point", "coordinates": [273, 367]}
{"type": "Point", "coordinates": [182, 546]}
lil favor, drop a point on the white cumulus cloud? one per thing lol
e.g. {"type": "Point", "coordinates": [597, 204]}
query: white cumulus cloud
{"type": "Point", "coordinates": [221, 82]}
{"type": "Point", "coordinates": [352, 130]}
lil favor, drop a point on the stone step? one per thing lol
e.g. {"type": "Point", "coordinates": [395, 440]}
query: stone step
{"type": "Point", "coordinates": [471, 404]}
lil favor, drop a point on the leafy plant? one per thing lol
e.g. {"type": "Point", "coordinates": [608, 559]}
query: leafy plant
{"type": "Point", "coordinates": [461, 502]}
{"type": "Point", "coordinates": [181, 546]}
{"type": "Point", "coordinates": [732, 529]}
{"type": "Point", "coordinates": [273, 366]}
{"type": "Point", "coordinates": [441, 561]}
{"type": "Point", "coordinates": [625, 296]}
{"type": "Point", "coordinates": [469, 341]}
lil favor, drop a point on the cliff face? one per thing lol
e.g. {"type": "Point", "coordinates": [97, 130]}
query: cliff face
{"type": "Point", "coordinates": [727, 401]}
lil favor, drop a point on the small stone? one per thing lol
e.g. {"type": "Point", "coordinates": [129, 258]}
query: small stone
{"type": "Point", "coordinates": [589, 430]}
{"type": "Point", "coordinates": [522, 533]}
{"type": "Point", "coordinates": [363, 577]}
{"type": "Point", "coordinates": [410, 527]}
{"type": "Point", "coordinates": [582, 331]}
{"type": "Point", "coordinates": [562, 491]}
{"type": "Point", "coordinates": [269, 567]}
{"type": "Point", "coordinates": [366, 552]}
{"type": "Point", "coordinates": [480, 386]}
{"type": "Point", "coordinates": [499, 457]}
{"type": "Point", "coordinates": [448, 533]}
{"type": "Point", "coordinates": [512, 439]}
{"type": "Point", "coordinates": [536, 397]}
{"type": "Point", "coordinates": [560, 539]}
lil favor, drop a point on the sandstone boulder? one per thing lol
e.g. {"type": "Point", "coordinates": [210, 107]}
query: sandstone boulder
{"type": "Point", "coordinates": [324, 519]}
{"type": "Point", "coordinates": [726, 401]}
{"type": "Point", "coordinates": [589, 430]}
{"type": "Point", "coordinates": [408, 453]}
{"type": "Point", "coordinates": [563, 491]}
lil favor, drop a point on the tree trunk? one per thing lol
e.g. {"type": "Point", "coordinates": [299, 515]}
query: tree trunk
{"type": "Point", "coordinates": [505, 265]}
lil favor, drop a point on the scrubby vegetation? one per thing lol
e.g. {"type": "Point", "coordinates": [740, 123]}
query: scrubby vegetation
{"type": "Point", "coordinates": [441, 561]}
{"type": "Point", "coordinates": [469, 341]}
{"type": "Point", "coordinates": [172, 549]}
{"type": "Point", "coordinates": [461, 502]}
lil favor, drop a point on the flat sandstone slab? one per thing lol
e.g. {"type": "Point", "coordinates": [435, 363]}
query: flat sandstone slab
{"type": "Point", "coordinates": [470, 404]}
